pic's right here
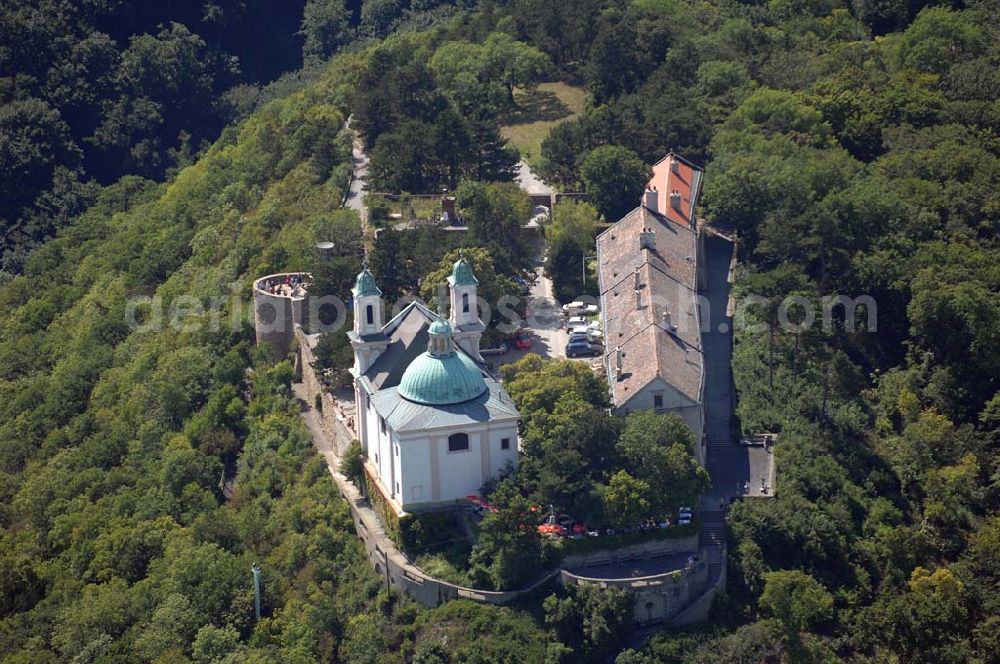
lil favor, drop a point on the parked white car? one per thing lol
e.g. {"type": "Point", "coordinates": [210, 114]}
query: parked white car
{"type": "Point", "coordinates": [575, 322]}
{"type": "Point", "coordinates": [592, 335]}
{"type": "Point", "coordinates": [579, 309]}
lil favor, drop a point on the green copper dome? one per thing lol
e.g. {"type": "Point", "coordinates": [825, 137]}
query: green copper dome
{"type": "Point", "coordinates": [365, 284]}
{"type": "Point", "coordinates": [441, 376]}
{"type": "Point", "coordinates": [461, 273]}
{"type": "Point", "coordinates": [439, 327]}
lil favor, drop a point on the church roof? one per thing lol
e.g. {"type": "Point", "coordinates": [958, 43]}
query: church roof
{"type": "Point", "coordinates": [442, 379]}
{"type": "Point", "coordinates": [461, 273]}
{"type": "Point", "coordinates": [364, 284]}
{"type": "Point", "coordinates": [407, 335]}
{"type": "Point", "coordinates": [403, 415]}
{"type": "Point", "coordinates": [442, 375]}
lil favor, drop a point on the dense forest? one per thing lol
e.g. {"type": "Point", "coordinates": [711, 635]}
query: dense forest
{"type": "Point", "coordinates": [178, 150]}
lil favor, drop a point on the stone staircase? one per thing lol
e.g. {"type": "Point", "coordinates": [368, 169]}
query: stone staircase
{"type": "Point", "coordinates": [712, 539]}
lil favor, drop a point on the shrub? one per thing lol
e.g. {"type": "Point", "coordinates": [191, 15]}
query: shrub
{"type": "Point", "coordinates": [353, 462]}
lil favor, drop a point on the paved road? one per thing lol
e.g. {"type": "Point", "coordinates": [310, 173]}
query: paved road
{"type": "Point", "coordinates": [725, 460]}
{"type": "Point", "coordinates": [545, 318]}
{"type": "Point", "coordinates": [356, 195]}
{"type": "Point", "coordinates": [732, 466]}
{"type": "Point", "coordinates": [530, 182]}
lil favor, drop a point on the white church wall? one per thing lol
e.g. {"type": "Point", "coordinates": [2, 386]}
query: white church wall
{"type": "Point", "coordinates": [500, 457]}
{"type": "Point", "coordinates": [371, 428]}
{"type": "Point", "coordinates": [386, 461]}
{"type": "Point", "coordinates": [460, 473]}
{"type": "Point", "coordinates": [415, 471]}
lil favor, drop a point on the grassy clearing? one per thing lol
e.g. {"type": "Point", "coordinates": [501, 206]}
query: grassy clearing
{"type": "Point", "coordinates": [540, 110]}
{"type": "Point", "coordinates": [408, 206]}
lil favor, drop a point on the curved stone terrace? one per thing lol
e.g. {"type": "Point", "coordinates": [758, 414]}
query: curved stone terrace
{"type": "Point", "coordinates": [634, 570]}
{"type": "Point", "coordinates": [293, 285]}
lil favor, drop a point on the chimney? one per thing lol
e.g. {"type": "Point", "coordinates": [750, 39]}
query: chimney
{"type": "Point", "coordinates": [638, 299]}
{"type": "Point", "coordinates": [636, 279]}
{"type": "Point", "coordinates": [668, 321]}
{"type": "Point", "coordinates": [618, 362]}
{"type": "Point", "coordinates": [647, 239]}
{"type": "Point", "coordinates": [675, 200]}
{"type": "Point", "coordinates": [675, 166]}
{"type": "Point", "coordinates": [448, 207]}
{"type": "Point", "coordinates": [651, 199]}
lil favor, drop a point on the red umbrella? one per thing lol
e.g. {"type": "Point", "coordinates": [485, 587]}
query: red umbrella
{"type": "Point", "coordinates": [473, 499]}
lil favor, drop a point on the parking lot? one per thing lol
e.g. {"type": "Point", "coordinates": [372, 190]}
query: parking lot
{"type": "Point", "coordinates": [546, 321]}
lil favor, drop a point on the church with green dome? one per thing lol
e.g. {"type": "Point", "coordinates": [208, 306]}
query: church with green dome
{"type": "Point", "coordinates": [434, 424]}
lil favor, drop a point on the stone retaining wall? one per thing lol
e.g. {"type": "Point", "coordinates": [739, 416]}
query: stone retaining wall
{"type": "Point", "coordinates": [336, 424]}
{"type": "Point", "coordinates": [397, 571]}
{"type": "Point", "coordinates": [659, 596]}
{"type": "Point", "coordinates": [699, 609]}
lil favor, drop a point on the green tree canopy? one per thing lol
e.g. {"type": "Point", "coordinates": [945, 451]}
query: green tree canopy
{"type": "Point", "coordinates": [795, 599]}
{"type": "Point", "coordinates": [496, 214]}
{"type": "Point", "coordinates": [614, 178]}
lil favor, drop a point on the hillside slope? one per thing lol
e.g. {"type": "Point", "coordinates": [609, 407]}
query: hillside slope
{"type": "Point", "coordinates": [118, 544]}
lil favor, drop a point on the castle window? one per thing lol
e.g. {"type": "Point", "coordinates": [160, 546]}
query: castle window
{"type": "Point", "coordinates": [505, 443]}
{"type": "Point", "coordinates": [370, 314]}
{"type": "Point", "coordinates": [458, 442]}
{"type": "Point", "coordinates": [465, 303]}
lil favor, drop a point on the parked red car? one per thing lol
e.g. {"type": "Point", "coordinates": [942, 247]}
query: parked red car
{"type": "Point", "coordinates": [522, 339]}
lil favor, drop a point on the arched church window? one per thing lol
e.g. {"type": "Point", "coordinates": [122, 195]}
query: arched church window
{"type": "Point", "coordinates": [465, 303]}
{"type": "Point", "coordinates": [370, 314]}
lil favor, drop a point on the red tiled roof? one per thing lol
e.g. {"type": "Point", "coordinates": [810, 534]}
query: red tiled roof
{"type": "Point", "coordinates": [675, 174]}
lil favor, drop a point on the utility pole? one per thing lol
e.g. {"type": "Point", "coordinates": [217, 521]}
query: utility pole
{"type": "Point", "coordinates": [256, 589]}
